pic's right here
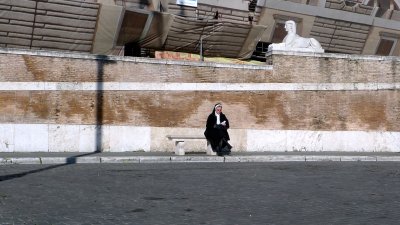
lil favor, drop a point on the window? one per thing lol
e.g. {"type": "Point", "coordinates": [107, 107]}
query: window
{"type": "Point", "coordinates": [279, 33]}
{"type": "Point", "coordinates": [385, 47]}
{"type": "Point", "coordinates": [387, 44]}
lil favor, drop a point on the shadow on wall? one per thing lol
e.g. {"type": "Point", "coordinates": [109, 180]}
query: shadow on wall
{"type": "Point", "coordinates": [101, 61]}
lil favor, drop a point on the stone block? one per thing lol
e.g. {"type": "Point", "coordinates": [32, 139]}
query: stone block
{"type": "Point", "coordinates": [322, 158]}
{"type": "Point", "coordinates": [64, 28]}
{"type": "Point", "coordinates": [5, 7]}
{"type": "Point", "coordinates": [265, 140]}
{"type": "Point", "coordinates": [16, 46]}
{"type": "Point", "coordinates": [39, 25]}
{"type": "Point", "coordinates": [348, 8]}
{"type": "Point", "coordinates": [358, 158]}
{"type": "Point", "coordinates": [346, 33]}
{"type": "Point", "coordinates": [240, 13]}
{"type": "Point", "coordinates": [16, 15]}
{"type": "Point", "coordinates": [37, 37]}
{"type": "Point", "coordinates": [351, 29]}
{"type": "Point", "coordinates": [126, 138]}
{"type": "Point", "coordinates": [336, 6]}
{"type": "Point", "coordinates": [197, 159]}
{"type": "Point", "coordinates": [63, 138]}
{"type": "Point", "coordinates": [4, 21]}
{"type": "Point", "coordinates": [323, 30]}
{"type": "Point", "coordinates": [388, 158]}
{"type": "Point", "coordinates": [15, 41]}
{"type": "Point", "coordinates": [65, 21]}
{"type": "Point", "coordinates": [16, 28]}
{"type": "Point", "coordinates": [343, 23]}
{"type": "Point", "coordinates": [63, 34]}
{"type": "Point", "coordinates": [31, 138]}
{"type": "Point", "coordinates": [40, 12]}
{"type": "Point", "coordinates": [155, 159]}
{"type": "Point", "coordinates": [73, 16]}
{"type": "Point", "coordinates": [7, 138]}
{"type": "Point", "coordinates": [61, 46]}
{"type": "Point", "coordinates": [120, 159]}
{"type": "Point", "coordinates": [325, 20]}
{"type": "Point", "coordinates": [322, 39]}
{"type": "Point", "coordinates": [92, 137]}
{"type": "Point", "coordinates": [226, 17]}
{"type": "Point", "coordinates": [360, 10]}
{"type": "Point", "coordinates": [25, 4]}
{"type": "Point", "coordinates": [76, 3]}
{"type": "Point", "coordinates": [222, 11]}
{"type": "Point", "coordinates": [84, 159]}
{"type": "Point", "coordinates": [64, 40]}
{"type": "Point", "coordinates": [17, 35]}
{"type": "Point", "coordinates": [67, 9]}
{"type": "Point", "coordinates": [23, 9]}
{"type": "Point", "coordinates": [25, 160]}
{"type": "Point", "coordinates": [22, 23]}
{"type": "Point", "coordinates": [205, 8]}
{"type": "Point", "coordinates": [330, 26]}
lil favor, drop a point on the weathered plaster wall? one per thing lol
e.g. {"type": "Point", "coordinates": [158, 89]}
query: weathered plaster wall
{"type": "Point", "coordinates": [47, 98]}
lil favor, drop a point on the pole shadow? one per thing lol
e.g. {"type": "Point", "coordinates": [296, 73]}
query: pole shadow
{"type": "Point", "coordinates": [101, 60]}
{"type": "Point", "coordinates": [69, 161]}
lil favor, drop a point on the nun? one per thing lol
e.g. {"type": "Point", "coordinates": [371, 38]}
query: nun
{"type": "Point", "coordinates": [217, 131]}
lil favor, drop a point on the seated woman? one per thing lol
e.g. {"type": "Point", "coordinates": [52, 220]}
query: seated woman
{"type": "Point", "coordinates": [217, 131]}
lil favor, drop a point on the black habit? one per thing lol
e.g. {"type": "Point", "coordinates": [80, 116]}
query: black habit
{"type": "Point", "coordinates": [217, 135]}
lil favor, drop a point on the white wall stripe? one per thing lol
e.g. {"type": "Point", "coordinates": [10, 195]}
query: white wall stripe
{"type": "Point", "coordinates": [308, 140]}
{"type": "Point", "coordinates": [72, 138]}
{"type": "Point", "coordinates": [83, 138]}
{"type": "Point", "coordinates": [129, 86]}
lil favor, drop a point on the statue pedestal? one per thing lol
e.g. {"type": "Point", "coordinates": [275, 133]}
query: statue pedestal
{"type": "Point", "coordinates": [278, 47]}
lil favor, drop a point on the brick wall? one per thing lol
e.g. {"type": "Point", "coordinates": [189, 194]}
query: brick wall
{"type": "Point", "coordinates": [298, 92]}
{"type": "Point", "coordinates": [340, 108]}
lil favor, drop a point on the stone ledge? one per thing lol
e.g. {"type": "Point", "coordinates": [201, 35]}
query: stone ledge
{"type": "Point", "coordinates": [61, 54]}
{"type": "Point", "coordinates": [200, 159]}
{"type": "Point", "coordinates": [333, 55]}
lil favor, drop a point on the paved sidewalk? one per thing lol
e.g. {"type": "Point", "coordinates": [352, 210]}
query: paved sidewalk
{"type": "Point", "coordinates": [167, 157]}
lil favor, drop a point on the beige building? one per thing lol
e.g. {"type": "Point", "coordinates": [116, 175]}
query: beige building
{"type": "Point", "coordinates": [234, 28]}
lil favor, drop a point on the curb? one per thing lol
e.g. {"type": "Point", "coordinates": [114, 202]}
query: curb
{"type": "Point", "coordinates": [195, 159]}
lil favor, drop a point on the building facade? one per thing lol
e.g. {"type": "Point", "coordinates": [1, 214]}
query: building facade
{"type": "Point", "coordinates": [235, 29]}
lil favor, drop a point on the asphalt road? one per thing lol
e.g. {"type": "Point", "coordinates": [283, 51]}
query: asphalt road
{"type": "Point", "coordinates": [201, 193]}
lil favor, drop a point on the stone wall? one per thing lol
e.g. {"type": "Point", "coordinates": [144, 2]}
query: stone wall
{"type": "Point", "coordinates": [57, 102]}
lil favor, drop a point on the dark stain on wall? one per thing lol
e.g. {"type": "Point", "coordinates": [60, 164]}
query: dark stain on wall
{"type": "Point", "coordinates": [7, 106]}
{"type": "Point", "coordinates": [259, 110]}
{"type": "Point", "coordinates": [370, 111]}
{"type": "Point", "coordinates": [164, 109]}
{"type": "Point", "coordinates": [39, 105]}
{"type": "Point", "coordinates": [34, 67]}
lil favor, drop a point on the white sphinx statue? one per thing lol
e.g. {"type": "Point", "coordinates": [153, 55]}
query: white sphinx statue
{"type": "Point", "coordinates": [293, 42]}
